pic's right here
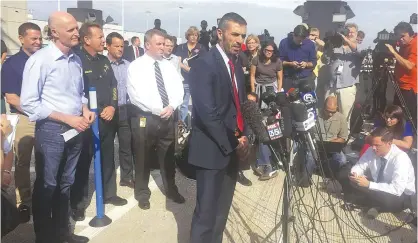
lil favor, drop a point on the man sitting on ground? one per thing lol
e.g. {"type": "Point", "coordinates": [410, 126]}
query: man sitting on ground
{"type": "Point", "coordinates": [333, 128]}
{"type": "Point", "coordinates": [383, 179]}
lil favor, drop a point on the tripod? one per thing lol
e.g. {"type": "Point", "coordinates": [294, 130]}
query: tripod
{"type": "Point", "coordinates": [288, 153]}
{"type": "Point", "coordinates": [286, 218]}
{"type": "Point", "coordinates": [385, 72]}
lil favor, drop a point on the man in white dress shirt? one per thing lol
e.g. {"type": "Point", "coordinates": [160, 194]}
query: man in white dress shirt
{"type": "Point", "coordinates": [383, 179]}
{"type": "Point", "coordinates": [155, 90]}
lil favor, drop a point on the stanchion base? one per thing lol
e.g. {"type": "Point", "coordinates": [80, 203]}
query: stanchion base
{"type": "Point", "coordinates": [100, 222]}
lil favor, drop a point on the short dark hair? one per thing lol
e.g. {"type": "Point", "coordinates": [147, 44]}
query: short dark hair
{"type": "Point", "coordinates": [112, 35]}
{"type": "Point", "coordinates": [85, 30]}
{"type": "Point", "coordinates": [301, 31]}
{"type": "Point", "coordinates": [361, 34]}
{"type": "Point", "coordinates": [234, 17]}
{"type": "Point", "coordinates": [150, 33]}
{"type": "Point", "coordinates": [27, 26]}
{"type": "Point", "coordinates": [134, 38]}
{"type": "Point", "coordinates": [404, 27]}
{"type": "Point", "coordinates": [170, 38]}
{"type": "Point", "coordinates": [384, 132]}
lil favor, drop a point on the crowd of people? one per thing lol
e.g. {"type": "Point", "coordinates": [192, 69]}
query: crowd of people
{"type": "Point", "coordinates": [144, 93]}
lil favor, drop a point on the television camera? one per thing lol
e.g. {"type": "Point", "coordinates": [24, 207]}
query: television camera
{"type": "Point", "coordinates": [381, 53]}
{"type": "Point", "coordinates": [333, 39]}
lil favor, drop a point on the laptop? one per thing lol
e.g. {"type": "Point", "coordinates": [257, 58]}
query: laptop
{"type": "Point", "coordinates": [329, 147]}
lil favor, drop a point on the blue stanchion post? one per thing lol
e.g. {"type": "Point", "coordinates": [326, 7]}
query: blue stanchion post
{"type": "Point", "coordinates": [100, 219]}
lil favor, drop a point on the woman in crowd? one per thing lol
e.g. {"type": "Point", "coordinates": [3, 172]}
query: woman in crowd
{"type": "Point", "coordinates": [246, 57]}
{"type": "Point", "coordinates": [393, 118]}
{"type": "Point", "coordinates": [266, 71]}
{"type": "Point", "coordinates": [186, 51]}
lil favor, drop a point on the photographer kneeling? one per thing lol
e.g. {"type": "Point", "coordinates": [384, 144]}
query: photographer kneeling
{"type": "Point", "coordinates": [383, 179]}
{"type": "Point", "coordinates": [406, 67]}
{"type": "Point", "coordinates": [344, 60]}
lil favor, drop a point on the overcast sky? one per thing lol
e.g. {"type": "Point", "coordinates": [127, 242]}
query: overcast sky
{"type": "Point", "coordinates": [276, 16]}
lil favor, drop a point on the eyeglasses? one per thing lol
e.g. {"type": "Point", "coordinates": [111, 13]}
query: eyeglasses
{"type": "Point", "coordinates": [268, 51]}
{"type": "Point", "coordinates": [390, 117]}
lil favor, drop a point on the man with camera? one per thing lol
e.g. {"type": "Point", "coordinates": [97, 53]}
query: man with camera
{"type": "Point", "coordinates": [406, 67]}
{"type": "Point", "coordinates": [344, 60]}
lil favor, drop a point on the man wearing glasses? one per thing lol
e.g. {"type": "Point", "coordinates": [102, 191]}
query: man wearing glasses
{"type": "Point", "coordinates": [333, 128]}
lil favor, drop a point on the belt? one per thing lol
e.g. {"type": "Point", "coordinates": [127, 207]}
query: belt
{"type": "Point", "coordinates": [137, 112]}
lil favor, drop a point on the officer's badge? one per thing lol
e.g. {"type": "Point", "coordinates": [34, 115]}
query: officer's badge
{"type": "Point", "coordinates": [106, 67]}
{"type": "Point", "coordinates": [115, 97]}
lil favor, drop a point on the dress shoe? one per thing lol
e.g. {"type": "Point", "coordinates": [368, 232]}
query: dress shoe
{"type": "Point", "coordinates": [116, 201]}
{"type": "Point", "coordinates": [24, 213]}
{"type": "Point", "coordinates": [129, 183]}
{"type": "Point", "coordinates": [144, 205]}
{"type": "Point", "coordinates": [243, 180]}
{"type": "Point", "coordinates": [78, 215]}
{"type": "Point", "coordinates": [176, 197]}
{"type": "Point", "coordinates": [74, 239]}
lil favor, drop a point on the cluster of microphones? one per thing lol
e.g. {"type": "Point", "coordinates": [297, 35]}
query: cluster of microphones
{"type": "Point", "coordinates": [287, 114]}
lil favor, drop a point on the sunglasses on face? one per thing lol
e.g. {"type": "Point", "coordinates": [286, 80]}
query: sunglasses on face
{"type": "Point", "coordinates": [390, 117]}
{"type": "Point", "coordinates": [268, 51]}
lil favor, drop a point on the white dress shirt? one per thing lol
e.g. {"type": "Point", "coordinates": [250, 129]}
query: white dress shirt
{"type": "Point", "coordinates": [135, 51]}
{"type": "Point", "coordinates": [398, 175]}
{"type": "Point", "coordinates": [226, 60]}
{"type": "Point", "coordinates": [142, 84]}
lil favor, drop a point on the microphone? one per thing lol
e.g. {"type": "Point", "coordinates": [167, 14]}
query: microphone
{"type": "Point", "coordinates": [302, 119]}
{"type": "Point", "coordinates": [286, 121]}
{"type": "Point", "coordinates": [254, 119]}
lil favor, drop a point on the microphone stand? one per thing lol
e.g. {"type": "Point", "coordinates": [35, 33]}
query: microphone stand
{"type": "Point", "coordinates": [286, 214]}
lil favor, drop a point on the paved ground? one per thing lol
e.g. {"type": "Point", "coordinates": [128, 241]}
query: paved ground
{"type": "Point", "coordinates": [254, 213]}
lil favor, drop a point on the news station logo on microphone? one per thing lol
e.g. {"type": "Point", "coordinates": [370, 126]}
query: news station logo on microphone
{"type": "Point", "coordinates": [309, 98]}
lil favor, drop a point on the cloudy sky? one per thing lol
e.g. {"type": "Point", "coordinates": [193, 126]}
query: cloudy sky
{"type": "Point", "coordinates": [275, 15]}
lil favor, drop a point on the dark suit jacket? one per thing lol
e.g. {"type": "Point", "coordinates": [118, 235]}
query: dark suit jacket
{"type": "Point", "coordinates": [129, 54]}
{"type": "Point", "coordinates": [213, 141]}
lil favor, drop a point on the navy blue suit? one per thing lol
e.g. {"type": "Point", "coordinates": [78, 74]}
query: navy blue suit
{"type": "Point", "coordinates": [213, 142]}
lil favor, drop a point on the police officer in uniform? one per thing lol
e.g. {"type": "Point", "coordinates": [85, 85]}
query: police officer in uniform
{"type": "Point", "coordinates": [98, 73]}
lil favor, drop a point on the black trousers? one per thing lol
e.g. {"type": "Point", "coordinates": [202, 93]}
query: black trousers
{"type": "Point", "coordinates": [150, 135]}
{"type": "Point", "coordinates": [125, 145]}
{"type": "Point", "coordinates": [294, 82]}
{"type": "Point", "coordinates": [215, 190]}
{"type": "Point", "coordinates": [385, 202]}
{"type": "Point", "coordinates": [411, 102]}
{"type": "Point", "coordinates": [79, 190]}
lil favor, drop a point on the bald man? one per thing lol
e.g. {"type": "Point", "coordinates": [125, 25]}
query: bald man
{"type": "Point", "coordinates": [52, 96]}
{"type": "Point", "coordinates": [333, 128]}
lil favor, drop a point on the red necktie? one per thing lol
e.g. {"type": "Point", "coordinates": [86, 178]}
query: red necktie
{"type": "Point", "coordinates": [136, 52]}
{"type": "Point", "coordinates": [240, 121]}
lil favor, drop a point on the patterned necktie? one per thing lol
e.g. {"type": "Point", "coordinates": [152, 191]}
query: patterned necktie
{"type": "Point", "coordinates": [381, 169]}
{"type": "Point", "coordinates": [240, 121]}
{"type": "Point", "coordinates": [160, 85]}
{"type": "Point", "coordinates": [136, 52]}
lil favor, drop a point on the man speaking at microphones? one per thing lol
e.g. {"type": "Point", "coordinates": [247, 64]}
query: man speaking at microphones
{"type": "Point", "coordinates": [217, 89]}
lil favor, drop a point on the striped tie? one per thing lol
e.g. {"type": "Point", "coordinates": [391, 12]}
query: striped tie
{"type": "Point", "coordinates": [160, 85]}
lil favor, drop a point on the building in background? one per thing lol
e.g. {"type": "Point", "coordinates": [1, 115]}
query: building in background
{"type": "Point", "coordinates": [13, 14]}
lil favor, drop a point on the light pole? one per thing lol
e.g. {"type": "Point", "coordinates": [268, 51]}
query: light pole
{"type": "Point", "coordinates": [147, 12]}
{"type": "Point", "coordinates": [178, 34]}
{"type": "Point", "coordinates": [59, 5]}
{"type": "Point", "coordinates": [123, 18]}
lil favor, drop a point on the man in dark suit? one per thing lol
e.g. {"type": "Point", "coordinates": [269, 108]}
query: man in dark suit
{"type": "Point", "coordinates": [132, 52]}
{"type": "Point", "coordinates": [217, 89]}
